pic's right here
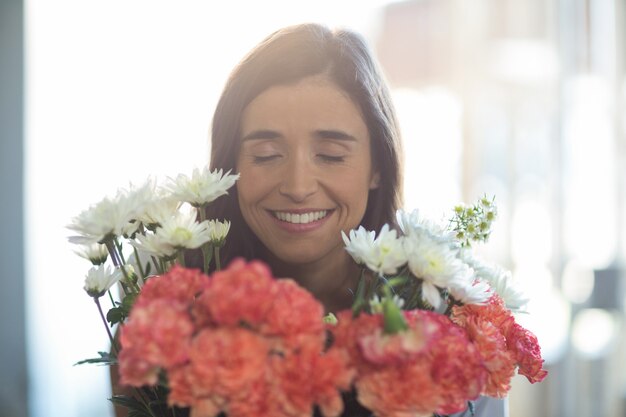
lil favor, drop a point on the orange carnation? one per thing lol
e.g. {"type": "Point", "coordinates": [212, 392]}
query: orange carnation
{"type": "Point", "coordinates": [178, 283]}
{"type": "Point", "coordinates": [242, 293]}
{"type": "Point", "coordinates": [156, 335]}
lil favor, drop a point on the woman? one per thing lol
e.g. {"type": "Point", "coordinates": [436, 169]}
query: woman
{"type": "Point", "coordinates": [307, 121]}
{"type": "Point", "coordinates": [310, 107]}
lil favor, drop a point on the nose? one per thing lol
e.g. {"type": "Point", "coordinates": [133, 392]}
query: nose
{"type": "Point", "coordinates": [298, 180]}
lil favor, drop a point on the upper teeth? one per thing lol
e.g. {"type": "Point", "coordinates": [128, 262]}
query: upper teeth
{"type": "Point", "coordinates": [300, 218]}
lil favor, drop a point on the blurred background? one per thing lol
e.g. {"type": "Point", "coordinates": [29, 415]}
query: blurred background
{"type": "Point", "coordinates": [521, 99]}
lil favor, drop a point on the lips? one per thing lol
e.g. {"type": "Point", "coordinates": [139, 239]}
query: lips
{"type": "Point", "coordinates": [300, 218]}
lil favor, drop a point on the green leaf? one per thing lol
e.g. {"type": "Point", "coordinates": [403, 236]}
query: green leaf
{"type": "Point", "coordinates": [104, 359]}
{"type": "Point", "coordinates": [136, 408]}
{"type": "Point", "coordinates": [116, 315]}
{"type": "Point", "coordinates": [128, 301]}
{"type": "Point", "coordinates": [126, 401]}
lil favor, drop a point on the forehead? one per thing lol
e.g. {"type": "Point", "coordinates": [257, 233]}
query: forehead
{"type": "Point", "coordinates": [314, 102]}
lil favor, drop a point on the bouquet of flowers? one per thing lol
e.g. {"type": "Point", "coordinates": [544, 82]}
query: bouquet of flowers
{"type": "Point", "coordinates": [431, 327]}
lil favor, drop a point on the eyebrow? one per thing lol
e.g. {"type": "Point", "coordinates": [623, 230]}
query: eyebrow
{"type": "Point", "coordinates": [335, 134]}
{"type": "Point", "coordinates": [261, 134]}
{"type": "Point", "coordinates": [322, 134]}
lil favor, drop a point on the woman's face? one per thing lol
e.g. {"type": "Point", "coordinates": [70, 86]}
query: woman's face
{"type": "Point", "coordinates": [306, 169]}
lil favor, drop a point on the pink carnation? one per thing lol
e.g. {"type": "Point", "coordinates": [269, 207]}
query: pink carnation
{"type": "Point", "coordinates": [498, 361]}
{"type": "Point", "coordinates": [179, 284]}
{"type": "Point", "coordinates": [294, 314]}
{"type": "Point", "coordinates": [502, 343]}
{"type": "Point", "coordinates": [156, 335]}
{"type": "Point", "coordinates": [525, 347]}
{"type": "Point", "coordinates": [306, 377]}
{"type": "Point", "coordinates": [242, 293]}
{"type": "Point", "coordinates": [181, 389]}
{"type": "Point", "coordinates": [458, 372]}
{"type": "Point", "coordinates": [253, 345]}
{"type": "Point", "coordinates": [431, 367]}
{"type": "Point", "coordinates": [227, 361]}
{"type": "Point", "coordinates": [398, 391]}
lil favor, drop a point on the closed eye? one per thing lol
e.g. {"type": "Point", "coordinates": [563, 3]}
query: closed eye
{"type": "Point", "coordinates": [331, 158]}
{"type": "Point", "coordinates": [259, 159]}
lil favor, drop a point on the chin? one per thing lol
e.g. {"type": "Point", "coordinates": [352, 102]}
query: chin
{"type": "Point", "coordinates": [302, 256]}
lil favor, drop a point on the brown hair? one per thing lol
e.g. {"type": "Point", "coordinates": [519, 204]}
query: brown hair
{"type": "Point", "coordinates": [285, 57]}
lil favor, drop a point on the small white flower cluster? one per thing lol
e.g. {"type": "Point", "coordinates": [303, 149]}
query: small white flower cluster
{"type": "Point", "coordinates": [474, 223]}
{"type": "Point", "coordinates": [158, 222]}
{"type": "Point", "coordinates": [429, 253]}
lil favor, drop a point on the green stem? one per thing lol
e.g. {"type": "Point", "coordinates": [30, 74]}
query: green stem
{"type": "Point", "coordinates": [113, 344]}
{"type": "Point", "coordinates": [139, 266]}
{"type": "Point", "coordinates": [359, 299]}
{"type": "Point", "coordinates": [181, 258]}
{"type": "Point", "coordinates": [156, 264]}
{"type": "Point", "coordinates": [110, 245]}
{"type": "Point", "coordinates": [119, 250]}
{"type": "Point", "coordinates": [218, 264]}
{"type": "Point", "coordinates": [126, 276]}
{"type": "Point", "coordinates": [202, 212]}
{"type": "Point", "coordinates": [207, 256]}
{"type": "Point", "coordinates": [111, 298]}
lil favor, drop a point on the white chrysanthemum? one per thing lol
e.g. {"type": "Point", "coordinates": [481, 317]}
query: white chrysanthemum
{"type": "Point", "coordinates": [499, 279]}
{"type": "Point", "coordinates": [154, 244]}
{"type": "Point", "coordinates": [94, 252]}
{"type": "Point", "coordinates": [218, 231]}
{"type": "Point", "coordinates": [383, 254]}
{"type": "Point", "coordinates": [412, 224]}
{"type": "Point", "coordinates": [470, 290]}
{"type": "Point", "coordinates": [159, 210]}
{"type": "Point", "coordinates": [137, 198]}
{"type": "Point", "coordinates": [359, 244]}
{"type": "Point", "coordinates": [436, 263]}
{"type": "Point", "coordinates": [99, 279]}
{"type": "Point", "coordinates": [184, 232]}
{"type": "Point", "coordinates": [203, 187]}
{"type": "Point", "coordinates": [504, 285]}
{"type": "Point", "coordinates": [107, 219]}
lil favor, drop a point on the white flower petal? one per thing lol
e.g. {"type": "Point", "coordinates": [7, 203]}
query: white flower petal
{"type": "Point", "coordinates": [383, 254]}
{"type": "Point", "coordinates": [94, 252]}
{"type": "Point", "coordinates": [477, 292]}
{"type": "Point", "coordinates": [431, 294]}
{"type": "Point", "coordinates": [99, 279]}
{"type": "Point", "coordinates": [184, 232]}
{"type": "Point", "coordinates": [433, 260]}
{"type": "Point", "coordinates": [218, 231]}
{"type": "Point", "coordinates": [499, 279]}
{"type": "Point", "coordinates": [103, 220]}
{"type": "Point", "coordinates": [359, 244]}
{"type": "Point", "coordinates": [202, 187]}
{"type": "Point", "coordinates": [154, 244]}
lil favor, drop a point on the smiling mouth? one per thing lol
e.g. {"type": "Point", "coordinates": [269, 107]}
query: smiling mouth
{"type": "Point", "coordinates": [300, 218]}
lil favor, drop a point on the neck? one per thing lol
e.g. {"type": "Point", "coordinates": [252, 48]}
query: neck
{"type": "Point", "coordinates": [333, 282]}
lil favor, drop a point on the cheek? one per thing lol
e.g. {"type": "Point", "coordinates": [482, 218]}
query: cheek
{"type": "Point", "coordinates": [354, 188]}
{"type": "Point", "coordinates": [247, 188]}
